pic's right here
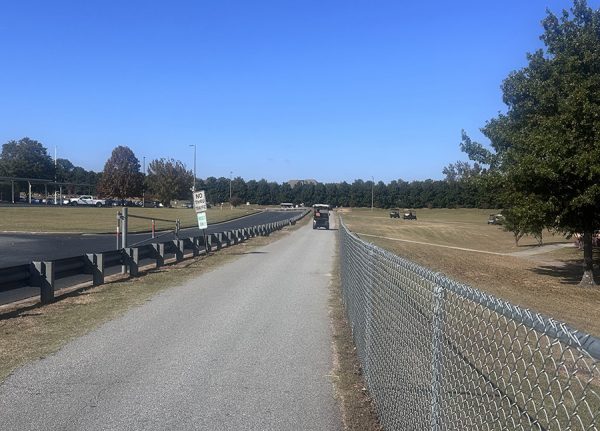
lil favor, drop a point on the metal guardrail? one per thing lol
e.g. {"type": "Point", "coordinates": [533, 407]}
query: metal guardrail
{"type": "Point", "coordinates": [44, 274]}
{"type": "Point", "coordinates": [439, 355]}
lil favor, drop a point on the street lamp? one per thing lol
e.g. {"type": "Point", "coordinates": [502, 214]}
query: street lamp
{"type": "Point", "coordinates": [230, 177]}
{"type": "Point", "coordinates": [372, 187]}
{"type": "Point", "coordinates": [144, 185]}
{"type": "Point", "coordinates": [194, 186]}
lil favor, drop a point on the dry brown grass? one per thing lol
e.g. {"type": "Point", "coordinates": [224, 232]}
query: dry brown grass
{"type": "Point", "coordinates": [104, 220]}
{"type": "Point", "coordinates": [546, 283]}
{"type": "Point", "coordinates": [38, 331]}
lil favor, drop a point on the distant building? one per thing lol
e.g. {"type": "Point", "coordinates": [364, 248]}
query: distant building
{"type": "Point", "coordinates": [294, 183]}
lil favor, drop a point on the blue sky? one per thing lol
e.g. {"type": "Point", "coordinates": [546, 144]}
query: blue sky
{"type": "Point", "coordinates": [333, 90]}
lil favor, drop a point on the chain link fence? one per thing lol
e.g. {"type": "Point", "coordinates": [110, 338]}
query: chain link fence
{"type": "Point", "coordinates": [440, 355]}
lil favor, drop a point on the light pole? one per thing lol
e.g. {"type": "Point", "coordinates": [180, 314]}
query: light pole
{"type": "Point", "coordinates": [372, 187]}
{"type": "Point", "coordinates": [230, 177]}
{"type": "Point", "coordinates": [55, 178]}
{"type": "Point", "coordinates": [144, 185]}
{"type": "Point", "coordinates": [194, 186]}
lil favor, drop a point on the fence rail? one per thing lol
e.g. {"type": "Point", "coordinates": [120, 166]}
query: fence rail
{"type": "Point", "coordinates": [44, 274]}
{"type": "Point", "coordinates": [439, 355]}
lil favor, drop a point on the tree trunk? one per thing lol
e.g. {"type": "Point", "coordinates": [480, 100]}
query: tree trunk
{"type": "Point", "coordinates": [588, 270]}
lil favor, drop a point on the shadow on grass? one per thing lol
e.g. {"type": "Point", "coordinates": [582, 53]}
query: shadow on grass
{"type": "Point", "coordinates": [541, 245]}
{"type": "Point", "coordinates": [570, 273]}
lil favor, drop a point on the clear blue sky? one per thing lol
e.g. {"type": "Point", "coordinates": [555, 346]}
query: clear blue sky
{"type": "Point", "coordinates": [332, 90]}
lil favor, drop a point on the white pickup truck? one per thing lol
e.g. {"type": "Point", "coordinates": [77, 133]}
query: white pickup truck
{"type": "Point", "coordinates": [87, 200]}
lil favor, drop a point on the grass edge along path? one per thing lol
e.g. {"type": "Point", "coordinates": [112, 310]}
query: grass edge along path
{"type": "Point", "coordinates": [357, 408]}
{"type": "Point", "coordinates": [39, 331]}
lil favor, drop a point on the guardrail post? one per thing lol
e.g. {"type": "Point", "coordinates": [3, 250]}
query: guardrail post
{"type": "Point", "coordinates": [214, 239]}
{"type": "Point", "coordinates": [133, 261]}
{"type": "Point", "coordinates": [219, 240]}
{"type": "Point", "coordinates": [196, 245]}
{"type": "Point", "coordinates": [159, 250]}
{"type": "Point", "coordinates": [228, 237]}
{"type": "Point", "coordinates": [178, 250]}
{"type": "Point", "coordinates": [97, 260]}
{"type": "Point", "coordinates": [46, 282]}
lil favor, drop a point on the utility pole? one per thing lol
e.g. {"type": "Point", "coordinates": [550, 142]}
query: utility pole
{"type": "Point", "coordinates": [372, 187]}
{"type": "Point", "coordinates": [144, 185]}
{"type": "Point", "coordinates": [194, 185]}
{"type": "Point", "coordinates": [230, 177]}
{"type": "Point", "coordinates": [54, 176]}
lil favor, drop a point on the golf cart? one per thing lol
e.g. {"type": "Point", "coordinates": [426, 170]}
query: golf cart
{"type": "Point", "coordinates": [321, 216]}
{"type": "Point", "coordinates": [395, 213]}
{"type": "Point", "coordinates": [409, 215]}
{"type": "Point", "coordinates": [495, 219]}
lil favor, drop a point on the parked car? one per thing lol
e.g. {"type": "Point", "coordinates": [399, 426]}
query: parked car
{"type": "Point", "coordinates": [122, 203]}
{"type": "Point", "coordinates": [87, 200]}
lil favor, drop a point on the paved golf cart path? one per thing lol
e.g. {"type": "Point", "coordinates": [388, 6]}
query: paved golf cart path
{"type": "Point", "coordinates": [244, 347]}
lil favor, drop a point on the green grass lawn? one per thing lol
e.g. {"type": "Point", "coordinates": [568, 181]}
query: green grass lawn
{"type": "Point", "coordinates": [104, 220]}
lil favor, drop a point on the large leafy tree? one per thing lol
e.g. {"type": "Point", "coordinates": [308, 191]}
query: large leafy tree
{"type": "Point", "coordinates": [26, 158]}
{"type": "Point", "coordinates": [64, 170]}
{"type": "Point", "coordinates": [121, 176]}
{"type": "Point", "coordinates": [168, 179]}
{"type": "Point", "coordinates": [546, 147]}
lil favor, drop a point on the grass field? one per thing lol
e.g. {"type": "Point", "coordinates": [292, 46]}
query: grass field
{"type": "Point", "coordinates": [460, 244]}
{"type": "Point", "coordinates": [104, 220]}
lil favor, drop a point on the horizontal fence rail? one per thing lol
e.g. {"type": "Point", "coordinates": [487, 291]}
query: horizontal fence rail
{"type": "Point", "coordinates": [439, 355]}
{"type": "Point", "coordinates": [93, 267]}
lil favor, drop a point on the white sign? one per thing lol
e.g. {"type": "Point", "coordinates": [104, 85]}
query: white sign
{"type": "Point", "coordinates": [200, 201]}
{"type": "Point", "coordinates": [202, 223]}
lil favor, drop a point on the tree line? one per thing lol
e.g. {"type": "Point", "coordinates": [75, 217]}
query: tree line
{"type": "Point", "coordinates": [168, 179]}
{"type": "Point", "coordinates": [28, 158]}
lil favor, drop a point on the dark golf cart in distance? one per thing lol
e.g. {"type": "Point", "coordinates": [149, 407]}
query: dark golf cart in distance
{"type": "Point", "coordinates": [395, 213]}
{"type": "Point", "coordinates": [495, 219]}
{"type": "Point", "coordinates": [409, 215]}
{"type": "Point", "coordinates": [321, 216]}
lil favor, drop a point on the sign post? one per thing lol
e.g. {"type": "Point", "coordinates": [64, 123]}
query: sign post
{"type": "Point", "coordinates": [200, 208]}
